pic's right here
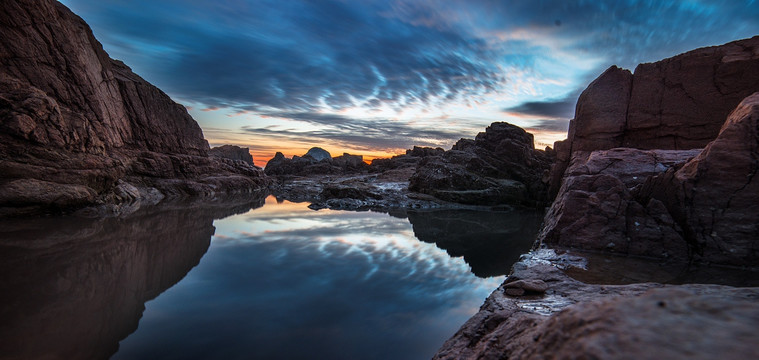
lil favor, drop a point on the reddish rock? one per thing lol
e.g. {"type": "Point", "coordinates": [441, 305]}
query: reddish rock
{"type": "Point", "coordinates": [573, 320]}
{"type": "Point", "coordinates": [681, 102]}
{"type": "Point", "coordinates": [76, 123]}
{"type": "Point", "coordinates": [596, 208]}
{"type": "Point", "coordinates": [601, 112]}
{"type": "Point", "coordinates": [715, 196]}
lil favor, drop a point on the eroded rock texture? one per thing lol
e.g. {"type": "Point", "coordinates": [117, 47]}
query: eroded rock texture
{"type": "Point", "coordinates": [499, 166]}
{"type": "Point", "coordinates": [573, 320]}
{"type": "Point", "coordinates": [76, 123]}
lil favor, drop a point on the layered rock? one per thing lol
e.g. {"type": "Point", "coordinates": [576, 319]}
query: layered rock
{"type": "Point", "coordinates": [76, 124]}
{"type": "Point", "coordinates": [233, 153]}
{"type": "Point", "coordinates": [499, 166]}
{"type": "Point", "coordinates": [316, 161]}
{"type": "Point", "coordinates": [596, 208]}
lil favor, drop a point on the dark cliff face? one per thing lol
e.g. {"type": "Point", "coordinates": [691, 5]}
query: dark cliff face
{"type": "Point", "coordinates": [76, 124]}
{"type": "Point", "coordinates": [632, 178]}
{"type": "Point", "coordinates": [678, 103]}
{"type": "Point", "coordinates": [98, 104]}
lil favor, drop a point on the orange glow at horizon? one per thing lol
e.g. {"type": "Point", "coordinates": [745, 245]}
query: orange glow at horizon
{"type": "Point", "coordinates": [263, 149]}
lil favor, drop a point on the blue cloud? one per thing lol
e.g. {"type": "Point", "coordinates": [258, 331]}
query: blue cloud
{"type": "Point", "coordinates": [300, 56]}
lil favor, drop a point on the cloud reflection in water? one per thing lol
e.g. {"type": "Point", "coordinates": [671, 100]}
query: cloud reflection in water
{"type": "Point", "coordinates": [286, 282]}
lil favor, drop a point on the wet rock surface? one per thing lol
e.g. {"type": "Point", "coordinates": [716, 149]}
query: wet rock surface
{"type": "Point", "coordinates": [75, 122]}
{"type": "Point", "coordinates": [577, 320]}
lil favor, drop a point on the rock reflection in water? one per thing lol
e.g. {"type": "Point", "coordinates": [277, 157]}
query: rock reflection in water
{"type": "Point", "coordinates": [72, 287]}
{"type": "Point", "coordinates": [490, 241]}
{"type": "Point", "coordinates": [286, 282]}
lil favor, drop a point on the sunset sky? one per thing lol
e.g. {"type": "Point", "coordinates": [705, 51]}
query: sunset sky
{"type": "Point", "coordinates": [376, 77]}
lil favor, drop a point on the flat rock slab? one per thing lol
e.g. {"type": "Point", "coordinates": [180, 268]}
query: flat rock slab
{"type": "Point", "coordinates": [639, 321]}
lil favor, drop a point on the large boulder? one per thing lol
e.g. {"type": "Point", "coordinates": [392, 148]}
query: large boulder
{"type": "Point", "coordinates": [499, 166]}
{"type": "Point", "coordinates": [601, 112]}
{"type": "Point", "coordinates": [715, 197]}
{"type": "Point", "coordinates": [679, 103]}
{"type": "Point", "coordinates": [596, 208]}
{"type": "Point", "coordinates": [76, 124]}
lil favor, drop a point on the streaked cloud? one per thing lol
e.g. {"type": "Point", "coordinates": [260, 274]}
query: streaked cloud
{"type": "Point", "coordinates": [423, 72]}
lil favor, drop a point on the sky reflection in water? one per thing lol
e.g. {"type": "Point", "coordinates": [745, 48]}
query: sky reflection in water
{"type": "Point", "coordinates": [287, 282]}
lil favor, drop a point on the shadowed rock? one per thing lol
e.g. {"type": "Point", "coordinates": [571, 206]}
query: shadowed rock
{"type": "Point", "coordinates": [75, 123]}
{"type": "Point", "coordinates": [233, 153]}
{"type": "Point", "coordinates": [499, 166]}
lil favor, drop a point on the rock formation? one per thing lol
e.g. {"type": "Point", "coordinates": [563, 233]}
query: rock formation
{"type": "Point", "coordinates": [573, 320]}
{"type": "Point", "coordinates": [233, 153]}
{"type": "Point", "coordinates": [499, 166]}
{"type": "Point", "coordinates": [316, 161]}
{"type": "Point", "coordinates": [631, 177]}
{"type": "Point", "coordinates": [79, 128]}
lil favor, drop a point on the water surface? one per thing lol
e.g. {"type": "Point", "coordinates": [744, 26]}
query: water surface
{"type": "Point", "coordinates": [274, 282]}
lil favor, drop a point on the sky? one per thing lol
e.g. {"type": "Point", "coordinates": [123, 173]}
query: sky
{"type": "Point", "coordinates": [376, 77]}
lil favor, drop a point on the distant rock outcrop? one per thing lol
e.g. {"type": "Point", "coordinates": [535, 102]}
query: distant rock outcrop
{"type": "Point", "coordinates": [79, 128]}
{"type": "Point", "coordinates": [232, 152]}
{"type": "Point", "coordinates": [499, 166]}
{"type": "Point", "coordinates": [316, 161]}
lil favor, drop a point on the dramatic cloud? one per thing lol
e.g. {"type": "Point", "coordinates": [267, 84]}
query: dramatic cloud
{"type": "Point", "coordinates": [563, 108]}
{"type": "Point", "coordinates": [475, 61]}
{"type": "Point", "coordinates": [371, 135]}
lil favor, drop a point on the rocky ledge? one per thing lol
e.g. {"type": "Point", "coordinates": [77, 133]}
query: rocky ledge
{"type": "Point", "coordinates": [658, 166]}
{"type": "Point", "coordinates": [78, 128]}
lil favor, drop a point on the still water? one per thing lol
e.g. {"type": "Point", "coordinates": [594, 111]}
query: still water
{"type": "Point", "coordinates": [245, 281]}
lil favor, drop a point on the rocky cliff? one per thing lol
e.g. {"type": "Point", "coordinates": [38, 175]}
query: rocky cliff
{"type": "Point", "coordinates": [660, 165]}
{"type": "Point", "coordinates": [80, 128]}
{"type": "Point", "coordinates": [632, 177]}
